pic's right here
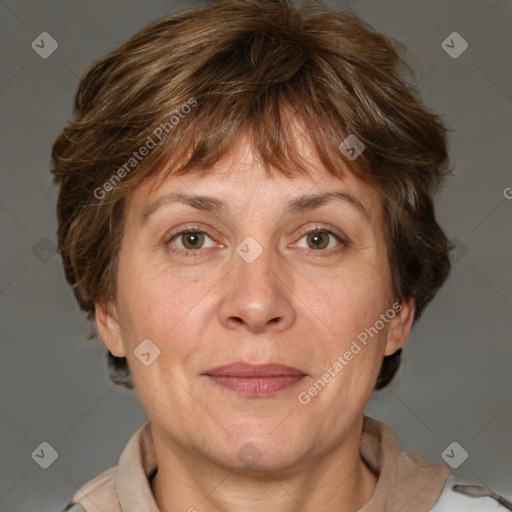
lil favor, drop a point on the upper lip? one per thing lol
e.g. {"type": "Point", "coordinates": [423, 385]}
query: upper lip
{"type": "Point", "coordinates": [243, 369]}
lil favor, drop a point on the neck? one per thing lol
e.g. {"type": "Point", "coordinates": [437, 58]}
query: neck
{"type": "Point", "coordinates": [338, 481]}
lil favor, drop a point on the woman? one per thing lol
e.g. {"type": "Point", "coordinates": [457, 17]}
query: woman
{"type": "Point", "coordinates": [246, 209]}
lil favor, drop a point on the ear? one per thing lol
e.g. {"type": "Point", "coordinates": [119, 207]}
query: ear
{"type": "Point", "coordinates": [400, 326]}
{"type": "Point", "coordinates": [108, 328]}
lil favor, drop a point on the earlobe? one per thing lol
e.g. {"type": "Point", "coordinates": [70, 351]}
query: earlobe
{"type": "Point", "coordinates": [108, 328]}
{"type": "Point", "coordinates": [400, 326]}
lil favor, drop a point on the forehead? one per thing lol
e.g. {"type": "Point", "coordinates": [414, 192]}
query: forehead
{"type": "Point", "coordinates": [239, 182]}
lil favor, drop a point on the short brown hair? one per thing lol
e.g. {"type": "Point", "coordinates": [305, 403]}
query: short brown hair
{"type": "Point", "coordinates": [250, 66]}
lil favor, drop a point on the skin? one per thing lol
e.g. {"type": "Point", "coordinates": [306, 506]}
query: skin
{"type": "Point", "coordinates": [295, 304]}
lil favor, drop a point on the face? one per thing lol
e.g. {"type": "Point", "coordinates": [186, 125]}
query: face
{"type": "Point", "coordinates": [265, 279]}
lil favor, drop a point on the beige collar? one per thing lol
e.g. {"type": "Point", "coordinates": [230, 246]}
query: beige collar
{"type": "Point", "coordinates": [407, 482]}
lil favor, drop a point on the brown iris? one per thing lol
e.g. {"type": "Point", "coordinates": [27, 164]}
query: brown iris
{"type": "Point", "coordinates": [316, 239]}
{"type": "Point", "coordinates": [194, 238]}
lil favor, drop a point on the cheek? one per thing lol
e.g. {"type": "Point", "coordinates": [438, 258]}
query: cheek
{"type": "Point", "coordinates": [170, 310]}
{"type": "Point", "coordinates": [164, 309]}
{"type": "Point", "coordinates": [155, 297]}
{"type": "Point", "coordinates": [347, 302]}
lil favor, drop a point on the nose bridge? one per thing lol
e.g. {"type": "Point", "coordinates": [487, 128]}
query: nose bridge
{"type": "Point", "coordinates": [253, 264]}
{"type": "Point", "coordinates": [256, 296]}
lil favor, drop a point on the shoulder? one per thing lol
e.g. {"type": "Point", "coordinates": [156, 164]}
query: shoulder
{"type": "Point", "coordinates": [127, 482]}
{"type": "Point", "coordinates": [451, 501]}
{"type": "Point", "coordinates": [96, 495]}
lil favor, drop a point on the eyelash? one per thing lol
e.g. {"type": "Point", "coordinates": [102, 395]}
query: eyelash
{"type": "Point", "coordinates": [194, 253]}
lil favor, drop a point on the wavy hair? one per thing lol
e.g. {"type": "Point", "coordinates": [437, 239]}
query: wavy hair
{"type": "Point", "coordinates": [249, 64]}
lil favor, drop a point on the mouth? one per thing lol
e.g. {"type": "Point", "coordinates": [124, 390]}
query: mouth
{"type": "Point", "coordinates": [255, 380]}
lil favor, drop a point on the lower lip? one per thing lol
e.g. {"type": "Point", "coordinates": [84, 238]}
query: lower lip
{"type": "Point", "coordinates": [256, 386]}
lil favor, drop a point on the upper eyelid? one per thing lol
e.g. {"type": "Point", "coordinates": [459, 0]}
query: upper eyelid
{"type": "Point", "coordinates": [320, 228]}
{"type": "Point", "coordinates": [199, 229]}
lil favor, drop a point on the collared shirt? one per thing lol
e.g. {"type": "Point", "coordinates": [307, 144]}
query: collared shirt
{"type": "Point", "coordinates": [406, 481]}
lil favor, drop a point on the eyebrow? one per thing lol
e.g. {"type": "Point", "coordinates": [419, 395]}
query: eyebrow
{"type": "Point", "coordinates": [300, 204]}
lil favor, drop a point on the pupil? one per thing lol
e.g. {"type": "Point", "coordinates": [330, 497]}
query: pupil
{"type": "Point", "coordinates": [316, 239]}
{"type": "Point", "coordinates": [193, 238]}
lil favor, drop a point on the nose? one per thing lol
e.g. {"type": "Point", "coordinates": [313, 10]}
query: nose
{"type": "Point", "coordinates": [257, 297]}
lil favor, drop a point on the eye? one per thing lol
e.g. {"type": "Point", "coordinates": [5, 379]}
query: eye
{"type": "Point", "coordinates": [190, 240]}
{"type": "Point", "coordinates": [318, 239]}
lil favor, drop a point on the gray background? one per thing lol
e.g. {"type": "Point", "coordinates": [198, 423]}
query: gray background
{"type": "Point", "coordinates": [455, 383]}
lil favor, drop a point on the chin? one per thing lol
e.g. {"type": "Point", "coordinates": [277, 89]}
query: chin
{"type": "Point", "coordinates": [260, 446]}
{"type": "Point", "coordinates": [256, 459]}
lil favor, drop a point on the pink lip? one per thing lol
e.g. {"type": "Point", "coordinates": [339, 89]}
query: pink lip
{"type": "Point", "coordinates": [255, 380]}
